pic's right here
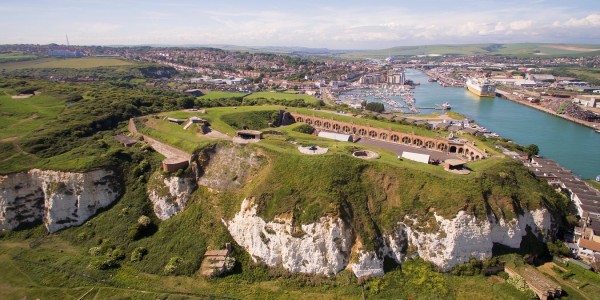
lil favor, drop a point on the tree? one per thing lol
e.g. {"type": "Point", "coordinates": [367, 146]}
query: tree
{"type": "Point", "coordinates": [532, 150]}
{"type": "Point", "coordinates": [374, 106]}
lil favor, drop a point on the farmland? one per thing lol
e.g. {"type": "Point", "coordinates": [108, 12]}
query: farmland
{"type": "Point", "coordinates": [68, 63]}
{"type": "Point", "coordinates": [14, 56]}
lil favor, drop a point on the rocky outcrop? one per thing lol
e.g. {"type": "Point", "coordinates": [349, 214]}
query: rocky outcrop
{"type": "Point", "coordinates": [367, 264]}
{"type": "Point", "coordinates": [170, 195]}
{"type": "Point", "coordinates": [458, 239]}
{"type": "Point", "coordinates": [325, 247]}
{"type": "Point", "coordinates": [226, 167]}
{"type": "Point", "coordinates": [217, 167]}
{"type": "Point", "coordinates": [320, 248]}
{"type": "Point", "coordinates": [54, 198]}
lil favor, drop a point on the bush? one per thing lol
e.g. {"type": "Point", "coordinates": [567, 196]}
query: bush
{"type": "Point", "coordinates": [374, 106]}
{"type": "Point", "coordinates": [135, 231]}
{"type": "Point", "coordinates": [144, 221]}
{"type": "Point", "coordinates": [104, 264]}
{"type": "Point", "coordinates": [304, 128]}
{"type": "Point", "coordinates": [138, 254]}
{"type": "Point", "coordinates": [95, 251]}
{"type": "Point", "coordinates": [173, 264]}
{"type": "Point", "coordinates": [518, 282]}
{"type": "Point", "coordinates": [117, 254]}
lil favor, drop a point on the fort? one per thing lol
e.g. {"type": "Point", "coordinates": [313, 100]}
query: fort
{"type": "Point", "coordinates": [460, 147]}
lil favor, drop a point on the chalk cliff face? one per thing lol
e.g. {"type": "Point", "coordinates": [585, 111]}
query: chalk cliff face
{"type": "Point", "coordinates": [170, 195]}
{"type": "Point", "coordinates": [325, 247]}
{"type": "Point", "coordinates": [463, 237]}
{"type": "Point", "coordinates": [57, 199]}
{"type": "Point", "coordinates": [321, 248]}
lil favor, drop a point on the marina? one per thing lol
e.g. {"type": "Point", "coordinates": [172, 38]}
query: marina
{"type": "Point", "coordinates": [572, 145]}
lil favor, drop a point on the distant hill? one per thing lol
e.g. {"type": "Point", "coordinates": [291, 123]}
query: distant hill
{"type": "Point", "coordinates": [482, 49]}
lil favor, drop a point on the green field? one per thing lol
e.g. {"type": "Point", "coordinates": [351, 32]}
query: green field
{"type": "Point", "coordinates": [15, 56]}
{"type": "Point", "coordinates": [216, 95]}
{"type": "Point", "coordinates": [522, 50]}
{"type": "Point", "coordinates": [282, 96]}
{"type": "Point", "coordinates": [22, 116]}
{"type": "Point", "coordinates": [68, 63]}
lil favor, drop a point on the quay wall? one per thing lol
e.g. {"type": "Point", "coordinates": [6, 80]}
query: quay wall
{"type": "Point", "coordinates": [508, 96]}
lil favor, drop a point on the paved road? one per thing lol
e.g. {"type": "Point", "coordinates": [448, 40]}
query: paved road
{"type": "Point", "coordinates": [167, 151]}
{"type": "Point", "coordinates": [399, 148]}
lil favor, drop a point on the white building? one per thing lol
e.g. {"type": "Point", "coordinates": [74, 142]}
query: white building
{"type": "Point", "coordinates": [336, 136]}
{"type": "Point", "coordinates": [587, 100]}
{"type": "Point", "coordinates": [418, 157]}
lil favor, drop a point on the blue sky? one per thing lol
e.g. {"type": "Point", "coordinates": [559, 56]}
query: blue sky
{"type": "Point", "coordinates": [332, 24]}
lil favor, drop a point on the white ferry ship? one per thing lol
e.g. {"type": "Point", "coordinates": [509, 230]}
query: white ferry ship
{"type": "Point", "coordinates": [481, 87]}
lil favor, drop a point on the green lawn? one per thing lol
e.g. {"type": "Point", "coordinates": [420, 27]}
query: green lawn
{"type": "Point", "coordinates": [172, 133]}
{"type": "Point", "coordinates": [282, 96]}
{"type": "Point", "coordinates": [215, 95]}
{"type": "Point", "coordinates": [22, 116]}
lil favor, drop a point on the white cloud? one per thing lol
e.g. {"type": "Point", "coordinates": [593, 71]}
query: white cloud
{"type": "Point", "coordinates": [345, 24]}
{"type": "Point", "coordinates": [592, 20]}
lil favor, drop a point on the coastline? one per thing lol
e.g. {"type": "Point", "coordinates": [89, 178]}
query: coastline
{"type": "Point", "coordinates": [591, 125]}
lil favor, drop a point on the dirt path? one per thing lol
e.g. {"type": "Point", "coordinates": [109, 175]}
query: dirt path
{"type": "Point", "coordinates": [547, 269]}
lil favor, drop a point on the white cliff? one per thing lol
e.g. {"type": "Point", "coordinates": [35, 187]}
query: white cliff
{"type": "Point", "coordinates": [170, 195]}
{"type": "Point", "coordinates": [463, 237]}
{"type": "Point", "coordinates": [323, 247]}
{"type": "Point", "coordinates": [57, 199]}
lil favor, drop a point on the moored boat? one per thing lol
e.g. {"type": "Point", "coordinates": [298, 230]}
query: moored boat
{"type": "Point", "coordinates": [481, 87]}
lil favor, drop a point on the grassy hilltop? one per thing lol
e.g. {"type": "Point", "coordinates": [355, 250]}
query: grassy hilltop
{"type": "Point", "coordinates": [378, 193]}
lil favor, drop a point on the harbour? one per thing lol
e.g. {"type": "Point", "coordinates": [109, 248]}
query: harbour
{"type": "Point", "coordinates": [572, 145]}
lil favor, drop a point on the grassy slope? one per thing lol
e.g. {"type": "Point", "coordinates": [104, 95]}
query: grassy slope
{"type": "Point", "coordinates": [22, 116]}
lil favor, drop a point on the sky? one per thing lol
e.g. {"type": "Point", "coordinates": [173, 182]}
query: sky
{"type": "Point", "coordinates": [318, 24]}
